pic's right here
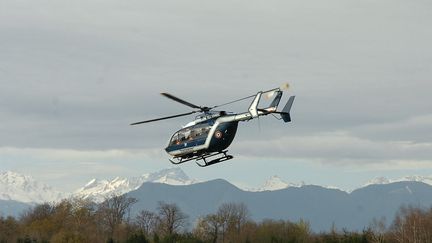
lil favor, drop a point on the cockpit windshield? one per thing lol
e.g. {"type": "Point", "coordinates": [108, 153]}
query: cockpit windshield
{"type": "Point", "coordinates": [196, 132]}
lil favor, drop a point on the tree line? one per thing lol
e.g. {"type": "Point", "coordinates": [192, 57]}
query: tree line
{"type": "Point", "coordinates": [78, 220]}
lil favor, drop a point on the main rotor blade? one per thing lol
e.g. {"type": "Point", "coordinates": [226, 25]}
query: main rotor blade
{"type": "Point", "coordinates": [169, 96]}
{"type": "Point", "coordinates": [163, 118]}
{"type": "Point", "coordinates": [250, 96]}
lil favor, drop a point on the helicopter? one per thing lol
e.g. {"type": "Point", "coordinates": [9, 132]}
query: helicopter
{"type": "Point", "coordinates": [207, 137]}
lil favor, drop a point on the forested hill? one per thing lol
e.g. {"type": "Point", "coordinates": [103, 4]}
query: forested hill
{"type": "Point", "coordinates": [322, 207]}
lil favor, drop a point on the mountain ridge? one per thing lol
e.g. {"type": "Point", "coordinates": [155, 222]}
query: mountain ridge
{"type": "Point", "coordinates": [22, 188]}
{"type": "Point", "coordinates": [320, 206]}
{"type": "Point", "coordinates": [98, 190]}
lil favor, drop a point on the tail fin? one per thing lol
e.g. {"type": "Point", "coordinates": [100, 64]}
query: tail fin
{"type": "Point", "coordinates": [285, 113]}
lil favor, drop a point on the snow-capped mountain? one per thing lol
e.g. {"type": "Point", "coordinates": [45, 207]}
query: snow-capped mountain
{"type": "Point", "coordinates": [424, 179]}
{"type": "Point", "coordinates": [383, 180]}
{"type": "Point", "coordinates": [174, 176]}
{"type": "Point", "coordinates": [377, 180]}
{"type": "Point", "coordinates": [98, 190]}
{"type": "Point", "coordinates": [276, 183]}
{"type": "Point", "coordinates": [22, 188]}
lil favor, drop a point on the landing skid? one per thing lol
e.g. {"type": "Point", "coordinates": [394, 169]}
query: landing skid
{"type": "Point", "coordinates": [225, 157]}
{"type": "Point", "coordinates": [204, 158]}
{"type": "Point", "coordinates": [181, 160]}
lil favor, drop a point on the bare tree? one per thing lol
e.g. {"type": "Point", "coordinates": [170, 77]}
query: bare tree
{"type": "Point", "coordinates": [378, 230]}
{"type": "Point", "coordinates": [412, 225]}
{"type": "Point", "coordinates": [231, 218]}
{"type": "Point", "coordinates": [39, 212]}
{"type": "Point", "coordinates": [171, 218]}
{"type": "Point", "coordinates": [233, 215]}
{"type": "Point", "coordinates": [113, 211]}
{"type": "Point", "coordinates": [146, 221]}
{"type": "Point", "coordinates": [209, 228]}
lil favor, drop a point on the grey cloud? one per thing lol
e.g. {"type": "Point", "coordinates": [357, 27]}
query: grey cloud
{"type": "Point", "coordinates": [73, 75]}
{"type": "Point", "coordinates": [416, 129]}
{"type": "Point", "coordinates": [337, 148]}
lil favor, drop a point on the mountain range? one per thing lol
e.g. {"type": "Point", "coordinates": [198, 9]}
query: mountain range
{"type": "Point", "coordinates": [98, 190]}
{"type": "Point", "coordinates": [23, 188]}
{"type": "Point", "coordinates": [322, 207]}
{"type": "Point", "coordinates": [276, 199]}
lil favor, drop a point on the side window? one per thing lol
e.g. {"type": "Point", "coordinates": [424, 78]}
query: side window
{"type": "Point", "coordinates": [202, 130]}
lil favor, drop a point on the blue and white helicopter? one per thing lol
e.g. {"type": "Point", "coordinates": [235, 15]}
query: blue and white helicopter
{"type": "Point", "coordinates": [211, 133]}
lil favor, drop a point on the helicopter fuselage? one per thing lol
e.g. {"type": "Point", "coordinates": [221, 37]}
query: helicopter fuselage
{"type": "Point", "coordinates": [212, 135]}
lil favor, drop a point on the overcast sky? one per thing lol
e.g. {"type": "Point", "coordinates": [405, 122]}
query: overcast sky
{"type": "Point", "coordinates": [74, 74]}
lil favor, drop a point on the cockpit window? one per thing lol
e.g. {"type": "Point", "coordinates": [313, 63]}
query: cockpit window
{"type": "Point", "coordinates": [199, 131]}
